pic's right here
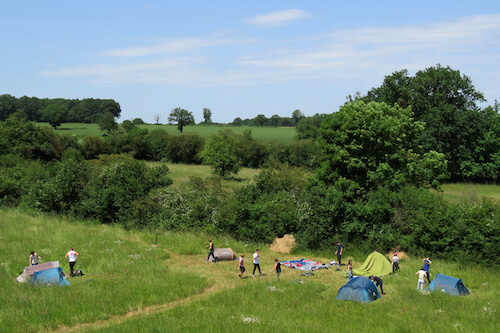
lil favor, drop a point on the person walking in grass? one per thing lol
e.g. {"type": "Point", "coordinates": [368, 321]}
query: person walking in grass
{"type": "Point", "coordinates": [349, 269]}
{"type": "Point", "coordinates": [72, 257]}
{"type": "Point", "coordinates": [427, 263]}
{"type": "Point", "coordinates": [339, 251]}
{"type": "Point", "coordinates": [395, 263]}
{"type": "Point", "coordinates": [421, 278]}
{"type": "Point", "coordinates": [378, 282]}
{"type": "Point", "coordinates": [210, 248]}
{"type": "Point", "coordinates": [34, 258]}
{"type": "Point", "coordinates": [241, 266]}
{"type": "Point", "coordinates": [256, 263]}
{"type": "Point", "coordinates": [277, 267]}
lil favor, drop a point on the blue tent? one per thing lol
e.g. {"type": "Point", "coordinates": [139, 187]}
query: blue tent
{"type": "Point", "coordinates": [449, 285]}
{"type": "Point", "coordinates": [359, 289]}
{"type": "Point", "coordinates": [50, 276]}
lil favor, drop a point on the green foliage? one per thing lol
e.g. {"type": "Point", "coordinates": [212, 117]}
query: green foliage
{"type": "Point", "coordinates": [251, 151]}
{"type": "Point", "coordinates": [374, 145]}
{"type": "Point", "coordinates": [54, 114]}
{"type": "Point", "coordinates": [181, 117]}
{"type": "Point", "coordinates": [93, 146]}
{"type": "Point", "coordinates": [107, 122]}
{"type": "Point", "coordinates": [308, 128]}
{"type": "Point", "coordinates": [185, 148]}
{"type": "Point", "coordinates": [196, 205]}
{"type": "Point", "coordinates": [19, 136]}
{"type": "Point", "coordinates": [221, 153]}
{"type": "Point", "coordinates": [122, 180]}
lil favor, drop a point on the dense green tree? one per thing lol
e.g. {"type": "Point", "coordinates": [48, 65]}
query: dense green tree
{"type": "Point", "coordinates": [127, 125]}
{"type": "Point", "coordinates": [297, 116]}
{"type": "Point", "coordinates": [185, 148]}
{"type": "Point", "coordinates": [207, 115]}
{"type": "Point", "coordinates": [221, 153]}
{"type": "Point", "coordinates": [251, 152]}
{"type": "Point", "coordinates": [237, 121]}
{"type": "Point", "coordinates": [372, 145]}
{"type": "Point", "coordinates": [181, 117]}
{"type": "Point", "coordinates": [260, 120]}
{"type": "Point", "coordinates": [138, 121]}
{"type": "Point", "coordinates": [54, 114]}
{"type": "Point", "coordinates": [308, 128]}
{"type": "Point", "coordinates": [7, 106]}
{"type": "Point", "coordinates": [107, 122]}
{"type": "Point", "coordinates": [447, 102]}
{"type": "Point", "coordinates": [274, 120]}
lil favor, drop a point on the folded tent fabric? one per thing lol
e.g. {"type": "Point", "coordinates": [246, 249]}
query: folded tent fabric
{"type": "Point", "coordinates": [376, 264]}
{"type": "Point", "coordinates": [304, 264]}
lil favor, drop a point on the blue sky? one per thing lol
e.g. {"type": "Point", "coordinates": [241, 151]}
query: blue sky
{"type": "Point", "coordinates": [238, 58]}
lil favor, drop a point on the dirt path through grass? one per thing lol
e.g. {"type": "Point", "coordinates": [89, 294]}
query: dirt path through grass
{"type": "Point", "coordinates": [220, 276]}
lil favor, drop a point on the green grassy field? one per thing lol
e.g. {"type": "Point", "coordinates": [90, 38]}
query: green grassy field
{"type": "Point", "coordinates": [457, 192]}
{"type": "Point", "coordinates": [133, 285]}
{"type": "Point", "coordinates": [266, 134]}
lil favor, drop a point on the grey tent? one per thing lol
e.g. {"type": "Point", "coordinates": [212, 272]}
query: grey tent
{"type": "Point", "coordinates": [224, 254]}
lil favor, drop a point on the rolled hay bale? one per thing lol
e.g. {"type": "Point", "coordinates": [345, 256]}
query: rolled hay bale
{"type": "Point", "coordinates": [285, 244]}
{"type": "Point", "coordinates": [224, 254]}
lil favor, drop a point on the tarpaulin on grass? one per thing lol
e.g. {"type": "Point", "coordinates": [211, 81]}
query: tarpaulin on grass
{"type": "Point", "coordinates": [304, 264]}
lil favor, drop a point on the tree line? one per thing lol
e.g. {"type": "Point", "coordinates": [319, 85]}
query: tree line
{"type": "Point", "coordinates": [58, 110]}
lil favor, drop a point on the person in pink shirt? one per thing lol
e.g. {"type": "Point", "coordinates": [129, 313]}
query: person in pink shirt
{"type": "Point", "coordinates": [241, 266]}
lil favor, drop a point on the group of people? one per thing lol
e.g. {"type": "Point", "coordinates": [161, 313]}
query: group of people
{"type": "Point", "coordinates": [71, 257]}
{"type": "Point", "coordinates": [423, 273]}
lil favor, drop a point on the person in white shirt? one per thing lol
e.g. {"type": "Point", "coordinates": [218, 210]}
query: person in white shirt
{"type": "Point", "coordinates": [72, 257]}
{"type": "Point", "coordinates": [421, 279]}
{"type": "Point", "coordinates": [395, 263]}
{"type": "Point", "coordinates": [256, 263]}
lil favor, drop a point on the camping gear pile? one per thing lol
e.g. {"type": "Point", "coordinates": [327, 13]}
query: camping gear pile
{"type": "Point", "coordinates": [48, 273]}
{"type": "Point", "coordinates": [304, 264]}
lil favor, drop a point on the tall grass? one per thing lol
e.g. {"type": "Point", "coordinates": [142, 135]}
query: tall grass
{"type": "Point", "coordinates": [124, 271]}
{"type": "Point", "coordinates": [307, 304]}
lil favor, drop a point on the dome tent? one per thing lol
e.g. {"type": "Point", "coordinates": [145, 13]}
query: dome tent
{"type": "Point", "coordinates": [375, 264]}
{"type": "Point", "coordinates": [359, 289]}
{"type": "Point", "coordinates": [449, 285]}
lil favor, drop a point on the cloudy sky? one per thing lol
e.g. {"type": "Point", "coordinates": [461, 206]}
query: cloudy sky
{"type": "Point", "coordinates": [238, 58]}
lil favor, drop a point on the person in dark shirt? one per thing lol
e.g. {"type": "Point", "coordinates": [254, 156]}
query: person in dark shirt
{"type": "Point", "coordinates": [378, 282]}
{"type": "Point", "coordinates": [210, 247]}
{"type": "Point", "coordinates": [339, 251]}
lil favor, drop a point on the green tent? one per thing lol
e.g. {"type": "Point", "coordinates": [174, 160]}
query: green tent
{"type": "Point", "coordinates": [375, 264]}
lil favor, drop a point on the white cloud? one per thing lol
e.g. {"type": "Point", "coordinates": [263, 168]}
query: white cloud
{"type": "Point", "coordinates": [175, 46]}
{"type": "Point", "coordinates": [350, 55]}
{"type": "Point", "coordinates": [278, 18]}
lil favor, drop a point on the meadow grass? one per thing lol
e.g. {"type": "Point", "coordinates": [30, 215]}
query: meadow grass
{"type": "Point", "coordinates": [263, 133]}
{"type": "Point", "coordinates": [132, 285]}
{"type": "Point", "coordinates": [307, 304]}
{"type": "Point", "coordinates": [123, 271]}
{"type": "Point", "coordinates": [180, 174]}
{"type": "Point", "coordinates": [456, 192]}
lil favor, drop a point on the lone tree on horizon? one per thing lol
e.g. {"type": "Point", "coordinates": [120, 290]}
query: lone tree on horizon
{"type": "Point", "coordinates": [182, 117]}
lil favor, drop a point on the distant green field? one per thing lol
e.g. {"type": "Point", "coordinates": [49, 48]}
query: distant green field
{"type": "Point", "coordinates": [267, 134]}
{"type": "Point", "coordinates": [457, 192]}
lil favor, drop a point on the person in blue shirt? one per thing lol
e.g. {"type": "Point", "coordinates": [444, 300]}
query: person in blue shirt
{"type": "Point", "coordinates": [427, 262]}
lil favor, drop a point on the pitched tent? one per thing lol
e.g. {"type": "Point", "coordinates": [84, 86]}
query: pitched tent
{"type": "Point", "coordinates": [359, 289]}
{"type": "Point", "coordinates": [51, 276]}
{"type": "Point", "coordinates": [29, 271]}
{"type": "Point", "coordinates": [375, 264]}
{"type": "Point", "coordinates": [224, 254]}
{"type": "Point", "coordinates": [449, 285]}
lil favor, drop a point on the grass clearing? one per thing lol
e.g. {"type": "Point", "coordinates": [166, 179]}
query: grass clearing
{"type": "Point", "coordinates": [133, 285]}
{"type": "Point", "coordinates": [458, 191]}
